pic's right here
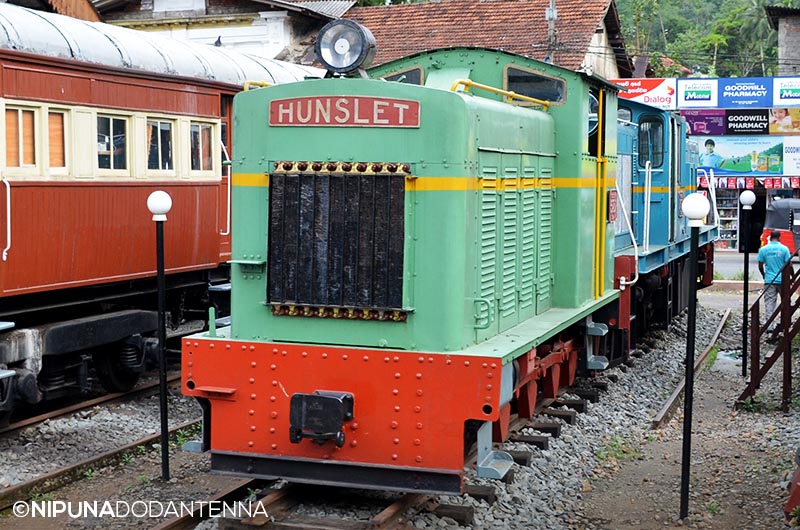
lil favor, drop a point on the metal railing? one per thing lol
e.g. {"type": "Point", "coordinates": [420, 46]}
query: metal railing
{"type": "Point", "coordinates": [786, 329]}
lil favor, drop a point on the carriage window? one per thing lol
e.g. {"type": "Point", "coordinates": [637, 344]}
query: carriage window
{"type": "Point", "coordinates": [412, 76]}
{"type": "Point", "coordinates": [651, 142]}
{"type": "Point", "coordinates": [624, 114]}
{"type": "Point", "coordinates": [55, 122]}
{"type": "Point", "coordinates": [535, 85]}
{"type": "Point", "coordinates": [201, 146]}
{"type": "Point", "coordinates": [159, 140]}
{"type": "Point", "coordinates": [111, 143]}
{"type": "Point", "coordinates": [20, 138]}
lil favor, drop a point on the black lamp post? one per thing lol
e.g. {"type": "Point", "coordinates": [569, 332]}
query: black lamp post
{"type": "Point", "coordinates": [159, 203]}
{"type": "Point", "coordinates": [695, 207]}
{"type": "Point", "coordinates": [747, 198]}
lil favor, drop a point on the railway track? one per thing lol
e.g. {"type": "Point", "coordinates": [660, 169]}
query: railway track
{"type": "Point", "coordinates": [281, 505]}
{"type": "Point", "coordinates": [107, 399]}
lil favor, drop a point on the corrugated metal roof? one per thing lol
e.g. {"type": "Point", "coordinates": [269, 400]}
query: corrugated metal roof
{"type": "Point", "coordinates": [94, 42]}
{"type": "Point", "coordinates": [329, 8]}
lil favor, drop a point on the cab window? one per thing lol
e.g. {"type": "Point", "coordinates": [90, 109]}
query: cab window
{"type": "Point", "coordinates": [651, 142]}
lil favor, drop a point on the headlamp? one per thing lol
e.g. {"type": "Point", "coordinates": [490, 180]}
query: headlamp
{"type": "Point", "coordinates": [344, 46]}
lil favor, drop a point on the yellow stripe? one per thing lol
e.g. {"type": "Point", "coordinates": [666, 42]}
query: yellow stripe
{"type": "Point", "coordinates": [662, 189]}
{"type": "Point", "coordinates": [456, 183]}
{"type": "Point", "coordinates": [250, 179]}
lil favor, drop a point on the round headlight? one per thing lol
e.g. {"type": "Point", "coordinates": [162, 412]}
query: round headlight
{"type": "Point", "coordinates": [344, 46]}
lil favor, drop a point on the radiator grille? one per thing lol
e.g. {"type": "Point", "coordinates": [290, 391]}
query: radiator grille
{"type": "Point", "coordinates": [336, 240]}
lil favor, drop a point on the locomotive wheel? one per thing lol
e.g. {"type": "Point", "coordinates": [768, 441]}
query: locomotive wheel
{"type": "Point", "coordinates": [110, 371]}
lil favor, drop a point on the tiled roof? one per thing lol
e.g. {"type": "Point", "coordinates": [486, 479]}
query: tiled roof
{"type": "Point", "coordinates": [517, 26]}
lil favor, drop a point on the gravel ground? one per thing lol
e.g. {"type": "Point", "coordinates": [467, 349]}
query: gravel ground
{"type": "Point", "coordinates": [581, 482]}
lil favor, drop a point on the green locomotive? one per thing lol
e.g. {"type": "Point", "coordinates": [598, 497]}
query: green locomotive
{"type": "Point", "coordinates": [415, 254]}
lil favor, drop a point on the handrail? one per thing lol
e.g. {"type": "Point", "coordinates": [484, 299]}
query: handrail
{"type": "Point", "coordinates": [507, 93]}
{"type": "Point", "coordinates": [228, 166]}
{"type": "Point", "coordinates": [648, 187]}
{"type": "Point", "coordinates": [622, 280]}
{"type": "Point", "coordinates": [790, 282]}
{"type": "Point", "coordinates": [259, 84]}
{"type": "Point", "coordinates": [712, 192]}
{"type": "Point", "coordinates": [8, 219]}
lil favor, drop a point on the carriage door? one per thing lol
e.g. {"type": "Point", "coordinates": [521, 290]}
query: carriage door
{"type": "Point", "coordinates": [674, 176]}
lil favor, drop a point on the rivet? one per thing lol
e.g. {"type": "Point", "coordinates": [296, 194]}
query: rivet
{"type": "Point", "coordinates": [397, 375]}
{"type": "Point", "coordinates": [274, 414]}
{"type": "Point", "coordinates": [275, 351]}
{"type": "Point", "coordinates": [244, 347]}
{"type": "Point", "coordinates": [394, 425]}
{"type": "Point", "coordinates": [419, 392]}
{"type": "Point", "coordinates": [190, 364]}
{"type": "Point", "coordinates": [353, 426]}
{"type": "Point", "coordinates": [417, 441]}
{"type": "Point", "coordinates": [396, 441]}
{"type": "Point", "coordinates": [272, 398]}
{"type": "Point", "coordinates": [227, 346]}
{"type": "Point", "coordinates": [273, 367]}
{"type": "Point", "coordinates": [274, 383]}
{"type": "Point", "coordinates": [366, 358]}
{"type": "Point", "coordinates": [252, 348]}
{"type": "Point", "coordinates": [211, 345]}
{"type": "Point", "coordinates": [252, 380]}
{"type": "Point", "coordinates": [485, 365]}
{"type": "Point", "coordinates": [252, 396]}
{"type": "Point", "coordinates": [324, 355]}
{"type": "Point", "coordinates": [274, 446]}
{"type": "Point", "coordinates": [397, 408]}
{"type": "Point", "coordinates": [251, 412]}
{"type": "Point", "coordinates": [253, 364]}
{"type": "Point", "coordinates": [283, 353]}
{"type": "Point", "coordinates": [448, 361]}
{"type": "Point", "coordinates": [419, 376]}
{"type": "Point", "coordinates": [394, 457]}
{"type": "Point", "coordinates": [196, 344]}
{"type": "Point", "coordinates": [272, 430]}
{"type": "Point", "coordinates": [489, 387]}
{"type": "Point", "coordinates": [418, 459]}
{"type": "Point", "coordinates": [188, 343]}
{"type": "Point", "coordinates": [344, 357]}
{"type": "Point", "coordinates": [386, 359]}
{"type": "Point", "coordinates": [421, 359]}
{"type": "Point", "coordinates": [395, 391]}
{"type": "Point", "coordinates": [396, 359]}
{"type": "Point", "coordinates": [466, 363]}
{"type": "Point", "coordinates": [490, 375]}
{"type": "Point", "coordinates": [417, 409]}
{"type": "Point", "coordinates": [304, 354]}
{"type": "Point", "coordinates": [250, 443]}
{"type": "Point", "coordinates": [353, 443]}
{"type": "Point", "coordinates": [494, 365]}
{"type": "Point", "coordinates": [419, 426]}
{"type": "Point", "coordinates": [430, 359]}
{"type": "Point", "coordinates": [488, 399]}
{"type": "Point", "coordinates": [252, 427]}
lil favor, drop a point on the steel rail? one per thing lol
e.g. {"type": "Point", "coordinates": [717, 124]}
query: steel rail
{"type": "Point", "coordinates": [672, 401]}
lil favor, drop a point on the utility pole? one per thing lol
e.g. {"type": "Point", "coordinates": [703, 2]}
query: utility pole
{"type": "Point", "coordinates": [551, 15]}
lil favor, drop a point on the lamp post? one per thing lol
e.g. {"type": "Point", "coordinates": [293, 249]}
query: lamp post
{"type": "Point", "coordinates": [695, 207]}
{"type": "Point", "coordinates": [747, 198]}
{"type": "Point", "coordinates": [159, 203]}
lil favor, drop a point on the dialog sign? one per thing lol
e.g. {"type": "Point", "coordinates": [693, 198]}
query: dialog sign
{"type": "Point", "coordinates": [341, 111]}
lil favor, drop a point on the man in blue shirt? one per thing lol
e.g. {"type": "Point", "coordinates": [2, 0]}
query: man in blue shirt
{"type": "Point", "coordinates": [772, 257]}
{"type": "Point", "coordinates": [710, 158]}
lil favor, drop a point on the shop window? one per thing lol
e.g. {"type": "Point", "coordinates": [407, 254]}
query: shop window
{"type": "Point", "coordinates": [20, 138]}
{"type": "Point", "coordinates": [201, 146]}
{"type": "Point", "coordinates": [159, 140]}
{"type": "Point", "coordinates": [55, 122]}
{"type": "Point", "coordinates": [112, 136]}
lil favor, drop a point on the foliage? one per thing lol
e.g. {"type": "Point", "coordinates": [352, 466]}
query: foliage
{"type": "Point", "coordinates": [617, 449]}
{"type": "Point", "coordinates": [716, 38]}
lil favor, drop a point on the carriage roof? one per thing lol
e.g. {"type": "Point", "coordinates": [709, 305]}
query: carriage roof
{"type": "Point", "coordinates": [56, 35]}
